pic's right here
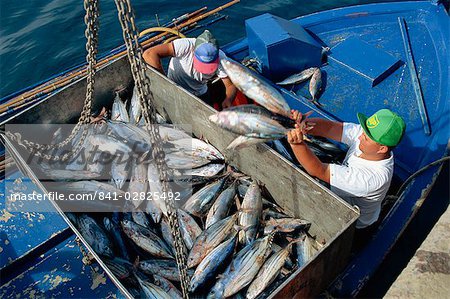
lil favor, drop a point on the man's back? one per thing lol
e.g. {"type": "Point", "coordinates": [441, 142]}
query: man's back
{"type": "Point", "coordinates": [182, 71]}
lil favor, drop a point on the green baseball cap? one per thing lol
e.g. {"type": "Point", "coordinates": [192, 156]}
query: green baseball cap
{"type": "Point", "coordinates": [384, 127]}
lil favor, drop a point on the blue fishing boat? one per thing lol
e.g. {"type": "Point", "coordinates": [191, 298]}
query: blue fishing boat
{"type": "Point", "coordinates": [384, 55]}
{"type": "Point", "coordinates": [387, 55]}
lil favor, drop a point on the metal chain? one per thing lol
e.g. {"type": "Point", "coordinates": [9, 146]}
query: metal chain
{"type": "Point", "coordinates": [42, 150]}
{"type": "Point", "coordinates": [134, 50]}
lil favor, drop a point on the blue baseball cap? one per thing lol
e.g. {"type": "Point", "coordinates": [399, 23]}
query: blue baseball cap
{"type": "Point", "coordinates": [206, 53]}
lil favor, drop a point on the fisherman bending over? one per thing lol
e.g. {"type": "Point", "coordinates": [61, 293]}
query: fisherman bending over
{"type": "Point", "coordinates": [194, 63]}
{"type": "Point", "coordinates": [364, 177]}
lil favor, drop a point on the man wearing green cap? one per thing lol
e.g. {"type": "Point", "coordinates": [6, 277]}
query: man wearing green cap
{"type": "Point", "coordinates": [364, 177]}
{"type": "Point", "coordinates": [194, 63]}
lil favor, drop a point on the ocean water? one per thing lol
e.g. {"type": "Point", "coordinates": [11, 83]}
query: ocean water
{"type": "Point", "coordinates": [40, 38]}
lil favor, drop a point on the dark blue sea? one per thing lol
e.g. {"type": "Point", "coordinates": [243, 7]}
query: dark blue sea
{"type": "Point", "coordinates": [41, 38]}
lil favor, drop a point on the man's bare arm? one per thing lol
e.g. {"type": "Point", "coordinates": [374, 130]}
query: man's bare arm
{"type": "Point", "coordinates": [154, 55]}
{"type": "Point", "coordinates": [306, 157]}
{"type": "Point", "coordinates": [325, 128]}
{"type": "Point", "coordinates": [230, 92]}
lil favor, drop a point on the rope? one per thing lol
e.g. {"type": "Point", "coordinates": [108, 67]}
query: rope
{"type": "Point", "coordinates": [162, 29]}
{"type": "Point", "coordinates": [420, 171]}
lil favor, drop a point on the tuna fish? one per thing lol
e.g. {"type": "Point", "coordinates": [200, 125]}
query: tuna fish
{"type": "Point", "coordinates": [304, 249]}
{"type": "Point", "coordinates": [109, 145]}
{"type": "Point", "coordinates": [250, 214]}
{"type": "Point", "coordinates": [135, 111]}
{"type": "Point", "coordinates": [119, 267]}
{"type": "Point", "coordinates": [95, 235]}
{"type": "Point", "coordinates": [210, 238]}
{"type": "Point", "coordinates": [169, 133]}
{"type": "Point", "coordinates": [165, 268]}
{"type": "Point", "coordinates": [249, 124]}
{"type": "Point", "coordinates": [168, 287]}
{"type": "Point", "coordinates": [119, 110]}
{"type": "Point", "coordinates": [245, 266]}
{"type": "Point", "coordinates": [157, 206]}
{"type": "Point", "coordinates": [146, 239]}
{"type": "Point", "coordinates": [90, 187]}
{"type": "Point", "coordinates": [255, 87]}
{"type": "Point", "coordinates": [72, 175]}
{"type": "Point", "coordinates": [241, 142]}
{"type": "Point", "coordinates": [212, 262]}
{"type": "Point", "coordinates": [140, 218]}
{"type": "Point", "coordinates": [268, 272]}
{"type": "Point", "coordinates": [137, 139]}
{"type": "Point", "coordinates": [200, 202]}
{"type": "Point", "coordinates": [221, 206]}
{"type": "Point", "coordinates": [209, 170]}
{"type": "Point", "coordinates": [315, 85]}
{"type": "Point", "coordinates": [197, 148]}
{"type": "Point", "coordinates": [152, 291]}
{"type": "Point", "coordinates": [138, 182]}
{"type": "Point", "coordinates": [299, 78]}
{"type": "Point", "coordinates": [254, 109]}
{"type": "Point", "coordinates": [188, 227]}
{"type": "Point", "coordinates": [114, 230]}
{"type": "Point", "coordinates": [181, 160]}
{"type": "Point", "coordinates": [285, 225]}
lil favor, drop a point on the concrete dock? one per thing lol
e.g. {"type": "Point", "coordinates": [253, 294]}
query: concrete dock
{"type": "Point", "coordinates": [428, 273]}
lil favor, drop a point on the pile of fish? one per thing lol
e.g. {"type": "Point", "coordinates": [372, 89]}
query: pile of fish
{"type": "Point", "coordinates": [239, 243]}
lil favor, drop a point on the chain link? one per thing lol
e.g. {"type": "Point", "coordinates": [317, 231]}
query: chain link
{"type": "Point", "coordinates": [134, 50]}
{"type": "Point", "coordinates": [42, 150]}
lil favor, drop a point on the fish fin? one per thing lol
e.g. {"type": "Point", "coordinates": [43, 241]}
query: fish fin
{"type": "Point", "coordinates": [244, 228]}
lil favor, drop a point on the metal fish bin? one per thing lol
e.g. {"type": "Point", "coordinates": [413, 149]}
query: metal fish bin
{"type": "Point", "coordinates": [332, 219]}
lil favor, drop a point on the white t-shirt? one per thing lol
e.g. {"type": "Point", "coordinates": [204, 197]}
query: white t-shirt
{"type": "Point", "coordinates": [181, 68]}
{"type": "Point", "coordinates": [361, 182]}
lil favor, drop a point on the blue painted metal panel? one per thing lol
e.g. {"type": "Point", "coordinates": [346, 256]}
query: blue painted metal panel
{"type": "Point", "coordinates": [364, 59]}
{"type": "Point", "coordinates": [268, 36]}
{"type": "Point", "coordinates": [60, 273]}
{"type": "Point", "coordinates": [21, 229]}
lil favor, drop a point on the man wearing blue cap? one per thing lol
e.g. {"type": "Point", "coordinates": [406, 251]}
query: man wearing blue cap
{"type": "Point", "coordinates": [194, 63]}
{"type": "Point", "coordinates": [365, 175]}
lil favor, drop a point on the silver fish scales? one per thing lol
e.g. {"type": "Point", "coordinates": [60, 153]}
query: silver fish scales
{"type": "Point", "coordinates": [299, 78]}
{"type": "Point", "coordinates": [255, 87]}
{"type": "Point", "coordinates": [250, 214]}
{"type": "Point", "coordinates": [146, 239]}
{"type": "Point", "coordinates": [210, 264]}
{"type": "Point", "coordinates": [200, 202]}
{"type": "Point", "coordinates": [152, 291]}
{"type": "Point", "coordinates": [189, 228]}
{"type": "Point", "coordinates": [268, 272]}
{"type": "Point", "coordinates": [245, 266]}
{"type": "Point", "coordinates": [249, 124]}
{"type": "Point", "coordinates": [315, 84]}
{"type": "Point", "coordinates": [221, 206]}
{"type": "Point", "coordinates": [95, 235]}
{"type": "Point", "coordinates": [210, 238]}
